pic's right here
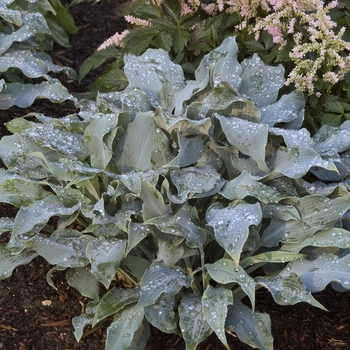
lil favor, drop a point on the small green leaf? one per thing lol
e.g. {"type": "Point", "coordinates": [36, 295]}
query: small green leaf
{"type": "Point", "coordinates": [160, 279]}
{"type": "Point", "coordinates": [288, 290]}
{"type": "Point", "coordinates": [334, 106]}
{"type": "Point", "coordinates": [121, 331]}
{"type": "Point", "coordinates": [194, 327]}
{"type": "Point", "coordinates": [105, 255]}
{"type": "Point", "coordinates": [113, 301]}
{"type": "Point", "coordinates": [9, 262]}
{"type": "Point", "coordinates": [231, 226]}
{"type": "Point", "coordinates": [214, 304]}
{"type": "Point", "coordinates": [252, 328]}
{"type": "Point", "coordinates": [161, 314]}
{"type": "Point", "coordinates": [82, 280]}
{"type": "Point", "coordinates": [225, 271]}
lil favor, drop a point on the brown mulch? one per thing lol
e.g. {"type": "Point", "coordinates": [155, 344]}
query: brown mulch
{"type": "Point", "coordinates": [34, 316]}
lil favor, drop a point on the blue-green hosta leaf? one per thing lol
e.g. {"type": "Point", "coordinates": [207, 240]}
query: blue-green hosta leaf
{"type": "Point", "coordinates": [141, 337]}
{"type": "Point", "coordinates": [295, 163]}
{"type": "Point", "coordinates": [214, 304]}
{"type": "Point", "coordinates": [276, 256]}
{"type": "Point", "coordinates": [288, 109]}
{"type": "Point", "coordinates": [155, 74]}
{"type": "Point", "coordinates": [65, 247]}
{"type": "Point", "coordinates": [9, 15]}
{"type": "Point", "coordinates": [23, 95]}
{"type": "Point", "coordinates": [261, 82]}
{"type": "Point", "coordinates": [244, 185]}
{"type": "Point", "coordinates": [317, 213]}
{"type": "Point", "coordinates": [190, 150]}
{"type": "Point", "coordinates": [162, 154]}
{"type": "Point", "coordinates": [32, 64]}
{"type": "Point", "coordinates": [6, 224]}
{"type": "Point", "coordinates": [19, 191]}
{"type": "Point", "coordinates": [49, 275]}
{"type": "Point", "coordinates": [334, 237]}
{"type": "Point", "coordinates": [331, 137]}
{"type": "Point", "coordinates": [161, 314]}
{"type": "Point", "coordinates": [288, 290]}
{"type": "Point", "coordinates": [318, 273]}
{"type": "Point", "coordinates": [280, 212]}
{"type": "Point", "coordinates": [194, 327]}
{"type": "Point", "coordinates": [32, 23]}
{"type": "Point", "coordinates": [160, 279]}
{"type": "Point", "coordinates": [225, 271]}
{"type": "Point", "coordinates": [249, 138]}
{"type": "Point", "coordinates": [181, 224]}
{"type": "Point", "coordinates": [192, 182]}
{"type": "Point", "coordinates": [137, 145]}
{"type": "Point", "coordinates": [121, 331]}
{"type": "Point", "coordinates": [294, 138]}
{"type": "Point", "coordinates": [39, 213]}
{"type": "Point", "coordinates": [98, 138]}
{"type": "Point", "coordinates": [170, 253]}
{"type": "Point", "coordinates": [113, 301]}
{"type": "Point", "coordinates": [153, 202]}
{"type": "Point", "coordinates": [82, 280]}
{"type": "Point", "coordinates": [182, 124]}
{"type": "Point", "coordinates": [231, 226]}
{"type": "Point", "coordinates": [136, 233]}
{"type": "Point", "coordinates": [69, 144]}
{"type": "Point", "coordinates": [84, 319]}
{"type": "Point", "coordinates": [105, 255]}
{"type": "Point", "coordinates": [9, 262]}
{"type": "Point", "coordinates": [252, 328]}
{"type": "Point", "coordinates": [138, 266]}
{"type": "Point", "coordinates": [226, 67]}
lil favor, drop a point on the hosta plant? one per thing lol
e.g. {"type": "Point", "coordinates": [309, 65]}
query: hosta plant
{"type": "Point", "coordinates": [26, 29]}
{"type": "Point", "coordinates": [182, 198]}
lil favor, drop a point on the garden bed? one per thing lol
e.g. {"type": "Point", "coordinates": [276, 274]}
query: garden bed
{"type": "Point", "coordinates": [35, 316]}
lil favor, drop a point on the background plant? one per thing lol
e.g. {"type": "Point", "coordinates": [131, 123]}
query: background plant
{"type": "Point", "coordinates": [312, 46]}
{"type": "Point", "coordinates": [28, 28]}
{"type": "Point", "coordinates": [183, 191]}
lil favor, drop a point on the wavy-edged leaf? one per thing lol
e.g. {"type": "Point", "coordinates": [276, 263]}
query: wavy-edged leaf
{"type": "Point", "coordinates": [214, 304]}
{"type": "Point", "coordinates": [113, 301]}
{"type": "Point", "coordinates": [98, 138]}
{"type": "Point", "coordinates": [85, 319]}
{"type": "Point", "coordinates": [249, 138]}
{"type": "Point", "coordinates": [105, 255]}
{"type": "Point", "coordinates": [194, 327]}
{"type": "Point", "coordinates": [288, 109]}
{"type": "Point", "coordinates": [225, 271]}
{"type": "Point", "coordinates": [318, 273]}
{"type": "Point", "coordinates": [19, 191]}
{"type": "Point", "coordinates": [252, 328]}
{"type": "Point", "coordinates": [65, 247]}
{"type": "Point", "coordinates": [160, 279]}
{"type": "Point", "coordinates": [181, 224]}
{"type": "Point", "coordinates": [23, 95]}
{"type": "Point", "coordinates": [83, 280]}
{"type": "Point", "coordinates": [155, 74]}
{"type": "Point", "coordinates": [261, 82]}
{"type": "Point", "coordinates": [288, 290]}
{"type": "Point", "coordinates": [161, 314]}
{"type": "Point", "coordinates": [121, 331]}
{"type": "Point", "coordinates": [231, 225]}
{"type": "Point", "coordinates": [9, 262]}
{"type": "Point", "coordinates": [244, 185]}
{"type": "Point", "coordinates": [39, 213]}
{"type": "Point", "coordinates": [334, 237]}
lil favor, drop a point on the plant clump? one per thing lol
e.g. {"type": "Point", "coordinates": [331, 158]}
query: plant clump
{"type": "Point", "coordinates": [194, 193]}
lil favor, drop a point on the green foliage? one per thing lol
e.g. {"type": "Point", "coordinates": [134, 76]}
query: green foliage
{"type": "Point", "coordinates": [28, 28]}
{"type": "Point", "coordinates": [183, 190]}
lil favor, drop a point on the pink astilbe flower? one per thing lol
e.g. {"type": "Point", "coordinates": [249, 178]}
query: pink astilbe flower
{"type": "Point", "coordinates": [137, 21]}
{"type": "Point", "coordinates": [117, 40]}
{"type": "Point", "coordinates": [210, 9]}
{"type": "Point", "coordinates": [185, 9]}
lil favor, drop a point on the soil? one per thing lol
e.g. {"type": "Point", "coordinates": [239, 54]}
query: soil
{"type": "Point", "coordinates": [34, 316]}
